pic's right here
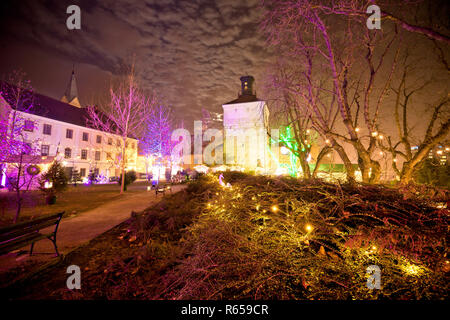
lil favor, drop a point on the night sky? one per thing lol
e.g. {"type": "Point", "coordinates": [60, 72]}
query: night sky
{"type": "Point", "coordinates": [191, 52]}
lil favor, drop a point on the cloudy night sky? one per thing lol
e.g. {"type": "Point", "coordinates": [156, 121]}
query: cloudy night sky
{"type": "Point", "coordinates": [191, 52]}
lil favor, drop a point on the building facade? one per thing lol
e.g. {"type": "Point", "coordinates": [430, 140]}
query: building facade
{"type": "Point", "coordinates": [59, 130]}
{"type": "Point", "coordinates": [245, 125]}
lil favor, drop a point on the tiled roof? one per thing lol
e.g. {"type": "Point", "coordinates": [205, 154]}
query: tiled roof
{"type": "Point", "coordinates": [244, 98]}
{"type": "Point", "coordinates": [46, 107]}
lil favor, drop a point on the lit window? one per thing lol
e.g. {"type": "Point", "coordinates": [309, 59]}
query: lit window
{"type": "Point", "coordinates": [67, 153]}
{"type": "Point", "coordinates": [29, 125]}
{"type": "Point", "coordinates": [45, 150]}
{"type": "Point", "coordinates": [47, 129]}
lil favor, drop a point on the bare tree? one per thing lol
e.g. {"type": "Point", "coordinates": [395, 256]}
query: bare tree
{"type": "Point", "coordinates": [437, 128]}
{"type": "Point", "coordinates": [343, 72]}
{"type": "Point", "coordinates": [156, 135]}
{"type": "Point", "coordinates": [125, 116]}
{"type": "Point", "coordinates": [18, 154]}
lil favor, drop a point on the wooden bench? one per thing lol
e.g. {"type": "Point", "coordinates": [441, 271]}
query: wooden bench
{"type": "Point", "coordinates": [21, 234]}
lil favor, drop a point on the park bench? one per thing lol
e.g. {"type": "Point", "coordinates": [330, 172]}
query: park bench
{"type": "Point", "coordinates": [21, 234]}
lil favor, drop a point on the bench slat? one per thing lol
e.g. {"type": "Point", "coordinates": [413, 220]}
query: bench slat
{"type": "Point", "coordinates": [31, 229]}
{"type": "Point", "coordinates": [20, 242]}
{"type": "Point", "coordinates": [22, 225]}
{"type": "Point", "coordinates": [21, 234]}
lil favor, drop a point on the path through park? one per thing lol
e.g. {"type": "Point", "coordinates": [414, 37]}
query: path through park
{"type": "Point", "coordinates": [74, 231]}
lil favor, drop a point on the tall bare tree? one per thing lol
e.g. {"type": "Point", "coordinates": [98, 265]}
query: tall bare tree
{"type": "Point", "coordinates": [406, 88]}
{"type": "Point", "coordinates": [343, 72]}
{"type": "Point", "coordinates": [125, 116]}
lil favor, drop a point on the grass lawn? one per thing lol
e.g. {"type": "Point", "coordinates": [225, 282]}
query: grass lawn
{"type": "Point", "coordinates": [73, 201]}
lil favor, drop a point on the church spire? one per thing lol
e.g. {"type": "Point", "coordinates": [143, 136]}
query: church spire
{"type": "Point", "coordinates": [71, 93]}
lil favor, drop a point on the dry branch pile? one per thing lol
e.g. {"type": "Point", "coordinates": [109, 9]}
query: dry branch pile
{"type": "Point", "coordinates": [268, 238]}
{"type": "Point", "coordinates": [272, 238]}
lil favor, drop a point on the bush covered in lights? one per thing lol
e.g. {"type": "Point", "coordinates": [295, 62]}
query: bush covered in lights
{"type": "Point", "coordinates": [273, 238]}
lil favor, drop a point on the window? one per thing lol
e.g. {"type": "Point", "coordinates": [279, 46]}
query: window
{"type": "Point", "coordinates": [27, 148]}
{"type": "Point", "coordinates": [29, 125]}
{"type": "Point", "coordinates": [67, 153]}
{"type": "Point", "coordinates": [85, 136]}
{"type": "Point", "coordinates": [96, 171]}
{"type": "Point", "coordinates": [82, 172]}
{"type": "Point", "coordinates": [97, 155]}
{"type": "Point", "coordinates": [45, 149]}
{"type": "Point", "coordinates": [99, 139]}
{"type": "Point", "coordinates": [110, 141]}
{"type": "Point", "coordinates": [83, 154]}
{"type": "Point", "coordinates": [108, 156]}
{"type": "Point", "coordinates": [118, 143]}
{"type": "Point", "coordinates": [47, 129]}
{"type": "Point", "coordinates": [69, 133]}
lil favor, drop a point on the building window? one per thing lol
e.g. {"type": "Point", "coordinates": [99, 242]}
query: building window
{"type": "Point", "coordinates": [47, 129]}
{"type": "Point", "coordinates": [119, 144]}
{"type": "Point", "coordinates": [110, 141]}
{"type": "Point", "coordinates": [82, 172]}
{"type": "Point", "coordinates": [27, 148]}
{"type": "Point", "coordinates": [108, 156]}
{"type": "Point", "coordinates": [67, 153]}
{"type": "Point", "coordinates": [96, 171]}
{"type": "Point", "coordinates": [69, 133]}
{"type": "Point", "coordinates": [45, 149]}
{"type": "Point", "coordinates": [29, 125]}
{"type": "Point", "coordinates": [99, 139]}
{"type": "Point", "coordinates": [84, 154]}
{"type": "Point", "coordinates": [85, 136]}
{"type": "Point", "coordinates": [97, 155]}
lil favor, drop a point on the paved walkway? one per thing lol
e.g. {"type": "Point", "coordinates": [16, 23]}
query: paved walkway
{"type": "Point", "coordinates": [74, 231]}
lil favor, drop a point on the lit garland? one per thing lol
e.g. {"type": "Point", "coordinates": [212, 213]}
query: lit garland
{"type": "Point", "coordinates": [286, 139]}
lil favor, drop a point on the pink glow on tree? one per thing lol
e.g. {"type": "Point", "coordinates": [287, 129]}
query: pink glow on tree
{"type": "Point", "coordinates": [128, 109]}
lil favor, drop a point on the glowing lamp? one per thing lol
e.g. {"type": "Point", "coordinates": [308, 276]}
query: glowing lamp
{"type": "Point", "coordinates": [308, 228]}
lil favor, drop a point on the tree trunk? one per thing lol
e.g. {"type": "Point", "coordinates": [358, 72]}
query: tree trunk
{"type": "Point", "coordinates": [122, 184]}
{"type": "Point", "coordinates": [347, 163]}
{"type": "Point", "coordinates": [19, 206]}
{"type": "Point", "coordinates": [407, 172]}
{"type": "Point", "coordinates": [305, 167]}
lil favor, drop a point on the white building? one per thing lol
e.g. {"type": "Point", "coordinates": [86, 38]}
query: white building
{"type": "Point", "coordinates": [245, 123]}
{"type": "Point", "coordinates": [58, 129]}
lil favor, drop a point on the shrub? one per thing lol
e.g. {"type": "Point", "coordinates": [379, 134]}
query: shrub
{"type": "Point", "coordinates": [130, 177]}
{"type": "Point", "coordinates": [56, 176]}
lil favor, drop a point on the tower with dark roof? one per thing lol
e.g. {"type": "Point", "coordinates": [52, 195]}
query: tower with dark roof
{"type": "Point", "coordinates": [245, 123]}
{"type": "Point", "coordinates": [71, 93]}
